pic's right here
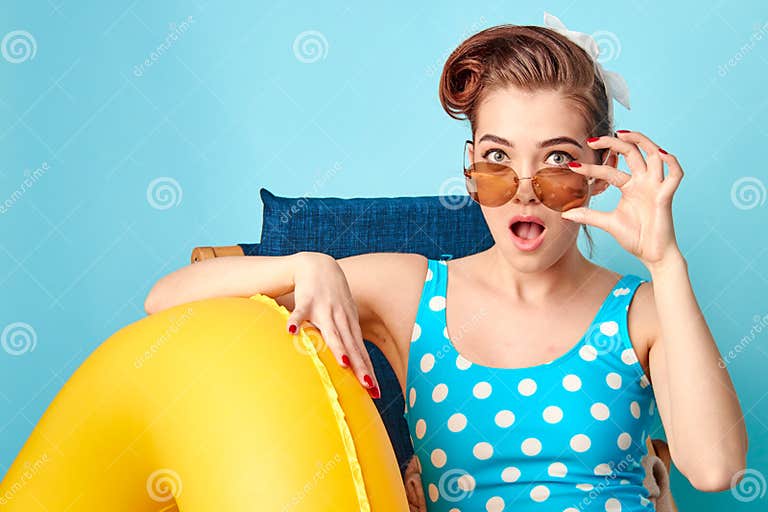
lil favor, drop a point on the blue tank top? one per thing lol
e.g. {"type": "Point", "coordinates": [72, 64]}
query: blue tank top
{"type": "Point", "coordinates": [567, 435]}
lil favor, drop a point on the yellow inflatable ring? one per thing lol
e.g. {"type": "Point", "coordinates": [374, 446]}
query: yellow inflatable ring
{"type": "Point", "coordinates": [208, 406]}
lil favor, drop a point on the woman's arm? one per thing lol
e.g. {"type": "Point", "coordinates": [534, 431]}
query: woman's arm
{"type": "Point", "coordinates": [227, 276]}
{"type": "Point", "coordinates": [694, 393]}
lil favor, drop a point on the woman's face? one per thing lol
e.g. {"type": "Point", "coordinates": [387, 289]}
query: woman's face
{"type": "Point", "coordinates": [527, 131]}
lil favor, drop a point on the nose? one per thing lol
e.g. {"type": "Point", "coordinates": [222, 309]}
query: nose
{"type": "Point", "coordinates": [525, 193]}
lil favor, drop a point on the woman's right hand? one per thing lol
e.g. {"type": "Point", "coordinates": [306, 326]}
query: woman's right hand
{"type": "Point", "coordinates": [322, 297]}
{"type": "Point", "coordinates": [414, 489]}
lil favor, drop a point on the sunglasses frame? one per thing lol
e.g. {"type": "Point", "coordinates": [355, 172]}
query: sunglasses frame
{"type": "Point", "coordinates": [590, 180]}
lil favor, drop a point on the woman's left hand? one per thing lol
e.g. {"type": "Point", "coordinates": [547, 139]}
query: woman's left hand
{"type": "Point", "coordinates": [642, 221]}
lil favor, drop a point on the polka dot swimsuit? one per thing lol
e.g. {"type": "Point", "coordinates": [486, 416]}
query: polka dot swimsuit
{"type": "Point", "coordinates": [567, 435]}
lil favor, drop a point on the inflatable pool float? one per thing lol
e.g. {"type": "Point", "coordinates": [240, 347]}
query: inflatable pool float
{"type": "Point", "coordinates": [208, 406]}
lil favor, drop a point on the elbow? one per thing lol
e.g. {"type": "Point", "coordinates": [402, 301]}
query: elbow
{"type": "Point", "coordinates": [153, 301]}
{"type": "Point", "coordinates": [720, 477]}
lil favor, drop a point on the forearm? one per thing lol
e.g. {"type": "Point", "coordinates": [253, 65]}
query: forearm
{"type": "Point", "coordinates": [238, 276]}
{"type": "Point", "coordinates": [707, 422]}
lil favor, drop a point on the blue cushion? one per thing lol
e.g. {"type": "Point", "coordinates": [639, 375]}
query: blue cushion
{"type": "Point", "coordinates": [433, 226]}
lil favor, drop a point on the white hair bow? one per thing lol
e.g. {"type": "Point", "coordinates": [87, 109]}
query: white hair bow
{"type": "Point", "coordinates": [615, 85]}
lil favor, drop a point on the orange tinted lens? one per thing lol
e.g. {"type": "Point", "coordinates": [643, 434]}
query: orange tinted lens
{"type": "Point", "coordinates": [561, 189]}
{"type": "Point", "coordinates": [491, 184]}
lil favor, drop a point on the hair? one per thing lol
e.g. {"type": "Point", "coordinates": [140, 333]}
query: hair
{"type": "Point", "coordinates": [531, 58]}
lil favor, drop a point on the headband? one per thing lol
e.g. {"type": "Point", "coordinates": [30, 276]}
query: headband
{"type": "Point", "coordinates": [615, 85]}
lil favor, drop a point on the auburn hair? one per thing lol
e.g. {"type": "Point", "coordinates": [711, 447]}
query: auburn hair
{"type": "Point", "coordinates": [528, 57]}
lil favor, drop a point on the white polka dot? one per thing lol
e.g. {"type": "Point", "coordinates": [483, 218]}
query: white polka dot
{"type": "Point", "coordinates": [482, 450]}
{"type": "Point", "coordinates": [439, 393]}
{"type": "Point", "coordinates": [437, 303]}
{"type": "Point", "coordinates": [466, 482]}
{"type": "Point", "coordinates": [624, 441]}
{"type": "Point", "coordinates": [651, 406]}
{"type": "Point", "coordinates": [580, 443]}
{"type": "Point", "coordinates": [557, 469]}
{"type": "Point", "coordinates": [571, 509]}
{"type": "Point", "coordinates": [504, 418]}
{"type": "Point", "coordinates": [588, 353]}
{"type": "Point", "coordinates": [552, 414]}
{"type": "Point", "coordinates": [585, 487]}
{"type": "Point", "coordinates": [429, 275]}
{"type": "Point", "coordinates": [457, 422]}
{"type": "Point", "coordinates": [599, 411]}
{"type": "Point", "coordinates": [527, 387]}
{"type": "Point", "coordinates": [421, 428]}
{"type": "Point", "coordinates": [628, 356]}
{"type": "Point", "coordinates": [438, 458]}
{"type": "Point", "coordinates": [613, 380]}
{"type": "Point", "coordinates": [462, 363]}
{"type": "Point", "coordinates": [624, 481]}
{"type": "Point", "coordinates": [416, 333]}
{"type": "Point", "coordinates": [412, 397]}
{"type": "Point", "coordinates": [445, 332]}
{"type": "Point", "coordinates": [644, 501]}
{"type": "Point", "coordinates": [495, 504]}
{"type": "Point", "coordinates": [531, 446]}
{"type": "Point", "coordinates": [612, 505]}
{"type": "Point", "coordinates": [572, 382]}
{"type": "Point", "coordinates": [634, 408]}
{"type": "Point", "coordinates": [427, 362]}
{"type": "Point", "coordinates": [644, 382]}
{"type": "Point", "coordinates": [540, 493]}
{"type": "Point", "coordinates": [609, 328]}
{"type": "Point", "coordinates": [433, 492]}
{"type": "Point", "coordinates": [482, 390]}
{"type": "Point", "coordinates": [620, 291]}
{"type": "Point", "coordinates": [602, 470]}
{"type": "Point", "coordinates": [510, 474]}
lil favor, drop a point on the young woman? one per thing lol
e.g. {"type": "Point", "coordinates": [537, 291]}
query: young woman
{"type": "Point", "coordinates": [531, 375]}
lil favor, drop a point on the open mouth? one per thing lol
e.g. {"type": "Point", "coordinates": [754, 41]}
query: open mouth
{"type": "Point", "coordinates": [527, 235]}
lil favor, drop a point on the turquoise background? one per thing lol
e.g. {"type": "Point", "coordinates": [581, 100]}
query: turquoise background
{"type": "Point", "coordinates": [231, 106]}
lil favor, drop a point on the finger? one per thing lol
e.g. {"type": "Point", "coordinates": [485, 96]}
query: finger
{"type": "Point", "coordinates": [582, 215]}
{"type": "Point", "coordinates": [672, 181]}
{"type": "Point", "coordinates": [295, 318]}
{"type": "Point", "coordinates": [628, 150]}
{"type": "Point", "coordinates": [333, 339]}
{"type": "Point", "coordinates": [654, 163]}
{"type": "Point", "coordinates": [361, 360]}
{"type": "Point", "coordinates": [607, 173]}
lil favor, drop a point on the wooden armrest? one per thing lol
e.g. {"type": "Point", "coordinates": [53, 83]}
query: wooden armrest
{"type": "Point", "coordinates": [205, 253]}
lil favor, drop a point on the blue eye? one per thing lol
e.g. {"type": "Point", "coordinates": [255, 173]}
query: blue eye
{"type": "Point", "coordinates": [560, 161]}
{"type": "Point", "coordinates": [496, 152]}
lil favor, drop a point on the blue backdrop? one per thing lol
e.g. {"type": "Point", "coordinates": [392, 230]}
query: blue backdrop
{"type": "Point", "coordinates": [132, 132]}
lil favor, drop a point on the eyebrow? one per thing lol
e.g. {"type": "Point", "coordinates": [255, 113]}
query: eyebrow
{"type": "Point", "coordinates": [542, 144]}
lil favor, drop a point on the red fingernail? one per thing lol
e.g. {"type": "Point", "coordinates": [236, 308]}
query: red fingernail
{"type": "Point", "coordinates": [662, 151]}
{"type": "Point", "coordinates": [593, 139]}
{"type": "Point", "coordinates": [574, 164]}
{"type": "Point", "coordinates": [622, 131]}
{"type": "Point", "coordinates": [368, 381]}
{"type": "Point", "coordinates": [375, 393]}
{"type": "Point", "coordinates": [292, 329]}
{"type": "Point", "coordinates": [345, 359]}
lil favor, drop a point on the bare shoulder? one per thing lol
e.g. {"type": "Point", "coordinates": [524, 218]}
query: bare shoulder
{"type": "Point", "coordinates": [642, 323]}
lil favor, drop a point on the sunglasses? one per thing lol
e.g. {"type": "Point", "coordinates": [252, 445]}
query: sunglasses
{"type": "Point", "coordinates": [558, 187]}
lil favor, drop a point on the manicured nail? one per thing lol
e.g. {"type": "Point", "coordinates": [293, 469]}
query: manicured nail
{"type": "Point", "coordinates": [375, 393]}
{"type": "Point", "coordinates": [292, 329]}
{"type": "Point", "coordinates": [368, 381]}
{"type": "Point", "coordinates": [345, 359]}
{"type": "Point", "coordinates": [662, 151]}
{"type": "Point", "coordinates": [593, 139]}
{"type": "Point", "coordinates": [622, 131]}
{"type": "Point", "coordinates": [574, 164]}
